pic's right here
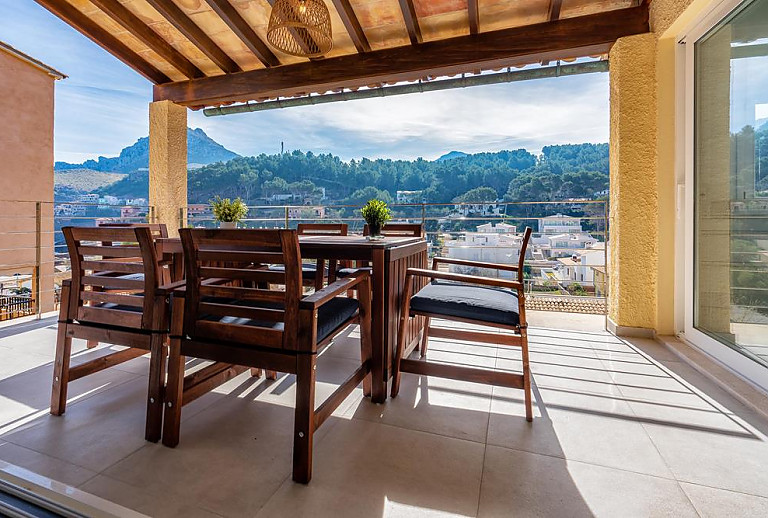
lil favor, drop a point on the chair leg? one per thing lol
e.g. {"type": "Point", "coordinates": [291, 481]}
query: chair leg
{"type": "Point", "coordinates": [366, 338]}
{"type": "Point", "coordinates": [155, 393]}
{"type": "Point", "coordinates": [61, 371]}
{"type": "Point", "coordinates": [271, 375]}
{"type": "Point", "coordinates": [256, 372]}
{"type": "Point", "coordinates": [174, 392]}
{"type": "Point", "coordinates": [304, 420]}
{"type": "Point", "coordinates": [526, 375]}
{"type": "Point", "coordinates": [400, 344]}
{"type": "Point", "coordinates": [92, 344]}
{"type": "Point", "coordinates": [425, 338]}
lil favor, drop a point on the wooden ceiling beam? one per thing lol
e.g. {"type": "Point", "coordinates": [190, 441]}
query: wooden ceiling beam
{"type": "Point", "coordinates": [554, 10]}
{"type": "Point", "coordinates": [178, 18]}
{"type": "Point", "coordinates": [411, 21]}
{"type": "Point", "coordinates": [104, 39]}
{"type": "Point", "coordinates": [355, 30]}
{"type": "Point", "coordinates": [474, 16]}
{"type": "Point", "coordinates": [244, 31]}
{"type": "Point", "coordinates": [149, 37]}
{"type": "Point", "coordinates": [569, 38]}
{"type": "Point", "coordinates": [553, 13]}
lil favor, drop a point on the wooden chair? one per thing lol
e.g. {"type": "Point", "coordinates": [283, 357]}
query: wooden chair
{"type": "Point", "coordinates": [310, 270]}
{"type": "Point", "coordinates": [240, 326]}
{"type": "Point", "coordinates": [493, 302]}
{"type": "Point", "coordinates": [114, 296]}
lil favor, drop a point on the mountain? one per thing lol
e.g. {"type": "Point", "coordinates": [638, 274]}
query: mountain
{"type": "Point", "coordinates": [201, 150]}
{"type": "Point", "coordinates": [451, 155]}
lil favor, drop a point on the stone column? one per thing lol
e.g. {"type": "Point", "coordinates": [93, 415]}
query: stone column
{"type": "Point", "coordinates": [634, 210]}
{"type": "Point", "coordinates": [168, 164]}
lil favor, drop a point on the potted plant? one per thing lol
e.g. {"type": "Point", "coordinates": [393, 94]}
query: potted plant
{"type": "Point", "coordinates": [376, 214]}
{"type": "Point", "coordinates": [227, 212]}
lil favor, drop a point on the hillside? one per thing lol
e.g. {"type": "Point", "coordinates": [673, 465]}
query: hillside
{"type": "Point", "coordinates": [201, 150]}
{"type": "Point", "coordinates": [560, 172]}
{"type": "Point", "coordinates": [84, 179]}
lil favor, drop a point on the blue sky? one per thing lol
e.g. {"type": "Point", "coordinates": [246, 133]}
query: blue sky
{"type": "Point", "coordinates": [103, 106]}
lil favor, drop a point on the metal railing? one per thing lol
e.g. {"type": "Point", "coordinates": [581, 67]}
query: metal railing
{"type": "Point", "coordinates": [452, 230]}
{"type": "Point", "coordinates": [34, 259]}
{"type": "Point", "coordinates": [33, 255]}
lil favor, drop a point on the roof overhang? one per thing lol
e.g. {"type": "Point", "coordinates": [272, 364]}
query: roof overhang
{"type": "Point", "coordinates": [213, 52]}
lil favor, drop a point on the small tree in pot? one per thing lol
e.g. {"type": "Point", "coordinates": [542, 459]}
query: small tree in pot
{"type": "Point", "coordinates": [227, 212]}
{"type": "Point", "coordinates": [376, 214]}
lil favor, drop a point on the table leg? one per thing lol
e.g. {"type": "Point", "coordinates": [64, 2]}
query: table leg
{"type": "Point", "coordinates": [378, 311]}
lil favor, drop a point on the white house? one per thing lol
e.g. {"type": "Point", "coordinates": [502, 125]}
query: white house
{"type": "Point", "coordinates": [479, 209]}
{"type": "Point", "coordinates": [580, 266]}
{"type": "Point", "coordinates": [498, 228]}
{"type": "Point", "coordinates": [488, 244]}
{"type": "Point", "coordinates": [559, 224]}
{"type": "Point", "coordinates": [409, 196]}
{"type": "Point", "coordinates": [559, 243]}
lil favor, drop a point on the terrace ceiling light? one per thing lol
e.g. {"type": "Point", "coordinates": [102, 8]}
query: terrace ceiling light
{"type": "Point", "coordinates": [300, 28]}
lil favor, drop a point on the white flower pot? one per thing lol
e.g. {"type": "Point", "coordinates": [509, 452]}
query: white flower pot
{"type": "Point", "coordinates": [227, 224]}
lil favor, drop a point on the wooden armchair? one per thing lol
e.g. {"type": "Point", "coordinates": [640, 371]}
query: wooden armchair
{"type": "Point", "coordinates": [493, 302]}
{"type": "Point", "coordinates": [250, 324]}
{"type": "Point", "coordinates": [114, 296]}
{"type": "Point", "coordinates": [310, 271]}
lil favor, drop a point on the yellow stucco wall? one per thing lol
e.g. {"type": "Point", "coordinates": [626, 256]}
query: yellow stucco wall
{"type": "Point", "coordinates": [644, 183]}
{"type": "Point", "coordinates": [168, 164]}
{"type": "Point", "coordinates": [633, 200]}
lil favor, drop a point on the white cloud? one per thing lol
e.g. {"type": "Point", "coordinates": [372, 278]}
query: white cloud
{"type": "Point", "coordinates": [531, 114]}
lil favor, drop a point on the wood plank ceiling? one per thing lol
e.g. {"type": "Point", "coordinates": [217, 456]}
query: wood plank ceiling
{"type": "Point", "coordinates": [211, 52]}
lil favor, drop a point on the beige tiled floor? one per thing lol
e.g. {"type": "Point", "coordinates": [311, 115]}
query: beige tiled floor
{"type": "Point", "coordinates": [622, 428]}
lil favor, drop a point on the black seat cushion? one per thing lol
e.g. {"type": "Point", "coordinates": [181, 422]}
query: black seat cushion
{"type": "Point", "coordinates": [346, 272]}
{"type": "Point", "coordinates": [330, 316]}
{"type": "Point", "coordinates": [483, 303]}
{"type": "Point", "coordinates": [308, 270]}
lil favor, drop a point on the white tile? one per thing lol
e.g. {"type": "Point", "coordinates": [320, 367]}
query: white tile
{"type": "Point", "coordinates": [364, 469]}
{"type": "Point", "coordinates": [713, 502]}
{"type": "Point", "coordinates": [45, 465]}
{"type": "Point", "coordinates": [156, 503]}
{"type": "Point", "coordinates": [518, 483]}
{"type": "Point", "coordinates": [96, 432]}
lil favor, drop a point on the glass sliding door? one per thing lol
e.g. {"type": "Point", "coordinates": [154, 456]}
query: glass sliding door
{"type": "Point", "coordinates": [730, 182]}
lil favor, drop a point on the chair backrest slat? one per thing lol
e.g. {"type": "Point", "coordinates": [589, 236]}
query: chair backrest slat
{"type": "Point", "coordinates": [228, 310]}
{"type": "Point", "coordinates": [114, 269]}
{"type": "Point", "coordinates": [157, 229]}
{"type": "Point", "coordinates": [398, 230]}
{"type": "Point", "coordinates": [322, 229]}
{"type": "Point", "coordinates": [231, 293]}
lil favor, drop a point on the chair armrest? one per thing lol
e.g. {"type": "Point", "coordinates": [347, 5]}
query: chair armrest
{"type": "Point", "coordinates": [322, 296]}
{"type": "Point", "coordinates": [469, 279]}
{"type": "Point", "coordinates": [477, 264]}
{"type": "Point", "coordinates": [66, 282]}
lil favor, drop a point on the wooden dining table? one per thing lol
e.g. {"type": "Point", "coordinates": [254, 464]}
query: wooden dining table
{"type": "Point", "coordinates": [389, 259]}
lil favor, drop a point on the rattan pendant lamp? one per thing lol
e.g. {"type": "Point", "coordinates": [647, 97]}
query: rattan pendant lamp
{"type": "Point", "coordinates": [300, 28]}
